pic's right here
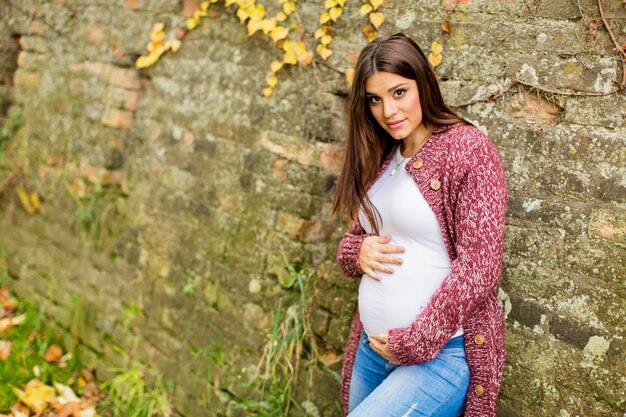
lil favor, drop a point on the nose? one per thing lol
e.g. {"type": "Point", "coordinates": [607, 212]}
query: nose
{"type": "Point", "coordinates": [389, 109]}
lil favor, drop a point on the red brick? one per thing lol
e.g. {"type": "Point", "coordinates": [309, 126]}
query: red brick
{"type": "Point", "coordinates": [27, 79]}
{"type": "Point", "coordinates": [332, 157]}
{"type": "Point", "coordinates": [95, 35]}
{"type": "Point", "coordinates": [37, 28]}
{"type": "Point", "coordinates": [117, 118]}
{"type": "Point", "coordinates": [190, 7]}
{"type": "Point", "coordinates": [133, 4]}
{"type": "Point", "coordinates": [188, 138]}
{"type": "Point", "coordinates": [315, 231]}
{"type": "Point", "coordinates": [77, 87]}
{"type": "Point", "coordinates": [27, 59]}
{"type": "Point", "coordinates": [127, 78]}
{"type": "Point", "coordinates": [131, 100]}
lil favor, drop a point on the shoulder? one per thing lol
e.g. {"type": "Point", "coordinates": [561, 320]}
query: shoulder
{"type": "Point", "coordinates": [464, 139]}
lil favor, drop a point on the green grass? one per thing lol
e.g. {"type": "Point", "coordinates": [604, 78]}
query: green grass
{"type": "Point", "coordinates": [128, 395]}
{"type": "Point", "coordinates": [25, 355]}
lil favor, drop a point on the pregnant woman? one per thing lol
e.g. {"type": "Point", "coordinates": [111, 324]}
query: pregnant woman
{"type": "Point", "coordinates": [426, 196]}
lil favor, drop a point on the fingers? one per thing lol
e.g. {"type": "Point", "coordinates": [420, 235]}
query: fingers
{"type": "Point", "coordinates": [370, 273]}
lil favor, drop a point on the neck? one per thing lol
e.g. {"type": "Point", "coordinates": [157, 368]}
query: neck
{"type": "Point", "coordinates": [415, 140]}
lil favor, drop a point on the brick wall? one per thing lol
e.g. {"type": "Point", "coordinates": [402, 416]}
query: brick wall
{"type": "Point", "coordinates": [175, 195]}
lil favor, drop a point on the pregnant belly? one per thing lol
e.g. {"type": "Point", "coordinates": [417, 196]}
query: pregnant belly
{"type": "Point", "coordinates": [398, 298]}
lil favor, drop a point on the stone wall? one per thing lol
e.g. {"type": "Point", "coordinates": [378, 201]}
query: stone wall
{"type": "Point", "coordinates": [175, 197]}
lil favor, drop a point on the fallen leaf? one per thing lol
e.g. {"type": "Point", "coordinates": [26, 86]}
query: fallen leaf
{"type": "Point", "coordinates": [66, 394]}
{"type": "Point", "coordinates": [53, 354]}
{"type": "Point", "coordinates": [319, 33]}
{"type": "Point", "coordinates": [326, 40]}
{"type": "Point", "coordinates": [329, 4]}
{"type": "Point", "coordinates": [36, 395]}
{"type": "Point", "coordinates": [370, 32]}
{"type": "Point", "coordinates": [324, 17]}
{"type": "Point", "coordinates": [272, 81]}
{"type": "Point", "coordinates": [267, 91]}
{"type": "Point", "coordinates": [435, 58]}
{"type": "Point", "coordinates": [445, 26]}
{"type": "Point", "coordinates": [5, 349]}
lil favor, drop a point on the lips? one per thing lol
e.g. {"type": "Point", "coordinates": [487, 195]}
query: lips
{"type": "Point", "coordinates": [395, 124]}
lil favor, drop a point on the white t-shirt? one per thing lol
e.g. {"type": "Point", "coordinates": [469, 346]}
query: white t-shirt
{"type": "Point", "coordinates": [398, 298]}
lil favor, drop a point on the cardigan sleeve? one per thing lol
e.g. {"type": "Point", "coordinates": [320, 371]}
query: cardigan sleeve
{"type": "Point", "coordinates": [349, 249]}
{"type": "Point", "coordinates": [479, 217]}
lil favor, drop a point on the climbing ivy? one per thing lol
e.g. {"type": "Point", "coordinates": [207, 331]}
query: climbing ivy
{"type": "Point", "coordinates": [284, 29]}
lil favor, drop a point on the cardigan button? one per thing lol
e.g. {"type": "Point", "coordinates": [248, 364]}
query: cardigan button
{"type": "Point", "coordinates": [479, 339]}
{"type": "Point", "coordinates": [418, 164]}
{"type": "Point", "coordinates": [435, 184]}
{"type": "Point", "coordinates": [479, 390]}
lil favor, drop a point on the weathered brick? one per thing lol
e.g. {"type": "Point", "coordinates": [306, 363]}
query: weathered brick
{"type": "Point", "coordinates": [27, 79]}
{"type": "Point", "coordinates": [134, 4]}
{"type": "Point", "coordinates": [127, 78]}
{"type": "Point", "coordinates": [117, 118]}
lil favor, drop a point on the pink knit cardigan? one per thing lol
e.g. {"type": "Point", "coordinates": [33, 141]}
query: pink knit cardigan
{"type": "Point", "coordinates": [460, 174]}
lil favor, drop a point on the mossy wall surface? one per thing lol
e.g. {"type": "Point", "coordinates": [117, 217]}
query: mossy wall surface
{"type": "Point", "coordinates": [175, 196]}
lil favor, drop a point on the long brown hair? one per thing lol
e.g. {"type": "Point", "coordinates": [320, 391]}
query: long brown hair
{"type": "Point", "coordinates": [367, 142]}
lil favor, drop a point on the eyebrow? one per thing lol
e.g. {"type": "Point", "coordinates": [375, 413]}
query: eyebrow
{"type": "Point", "coordinates": [392, 88]}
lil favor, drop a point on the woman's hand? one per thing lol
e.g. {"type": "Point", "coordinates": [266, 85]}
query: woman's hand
{"type": "Point", "coordinates": [374, 252]}
{"type": "Point", "coordinates": [379, 344]}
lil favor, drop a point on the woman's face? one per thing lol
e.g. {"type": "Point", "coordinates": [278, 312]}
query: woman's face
{"type": "Point", "coordinates": [395, 103]}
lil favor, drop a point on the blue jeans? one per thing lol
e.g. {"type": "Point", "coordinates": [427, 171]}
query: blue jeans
{"type": "Point", "coordinates": [434, 389]}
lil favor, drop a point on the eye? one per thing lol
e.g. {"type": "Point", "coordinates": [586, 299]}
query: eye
{"type": "Point", "coordinates": [373, 99]}
{"type": "Point", "coordinates": [400, 92]}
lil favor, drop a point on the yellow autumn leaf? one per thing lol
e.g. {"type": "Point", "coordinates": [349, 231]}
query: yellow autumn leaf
{"type": "Point", "coordinates": [436, 47]}
{"type": "Point", "coordinates": [157, 27]}
{"type": "Point", "coordinates": [267, 25]}
{"type": "Point", "coordinates": [257, 12]}
{"type": "Point", "coordinates": [350, 76]}
{"type": "Point", "coordinates": [229, 2]}
{"type": "Point", "coordinates": [278, 33]}
{"type": "Point", "coordinates": [204, 5]}
{"type": "Point", "coordinates": [376, 3]}
{"type": "Point", "coordinates": [157, 36]}
{"type": "Point", "coordinates": [435, 59]}
{"type": "Point", "coordinates": [280, 16]}
{"type": "Point", "coordinates": [341, 2]}
{"type": "Point", "coordinates": [289, 7]}
{"type": "Point", "coordinates": [305, 58]}
{"type": "Point", "coordinates": [36, 395]}
{"type": "Point", "coordinates": [377, 19]}
{"type": "Point", "coordinates": [334, 13]}
{"type": "Point", "coordinates": [324, 52]}
{"type": "Point", "coordinates": [328, 4]}
{"type": "Point", "coordinates": [324, 17]}
{"type": "Point", "coordinates": [290, 58]}
{"type": "Point", "coordinates": [24, 198]}
{"type": "Point", "coordinates": [35, 202]}
{"type": "Point", "coordinates": [175, 45]}
{"type": "Point", "coordinates": [253, 26]}
{"type": "Point", "coordinates": [275, 66]}
{"type": "Point", "coordinates": [326, 39]}
{"type": "Point", "coordinates": [267, 91]}
{"type": "Point", "coordinates": [319, 33]}
{"type": "Point", "coordinates": [243, 14]}
{"type": "Point", "coordinates": [365, 9]}
{"type": "Point", "coordinates": [191, 24]}
{"type": "Point", "coordinates": [272, 81]}
{"type": "Point", "coordinates": [370, 33]}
